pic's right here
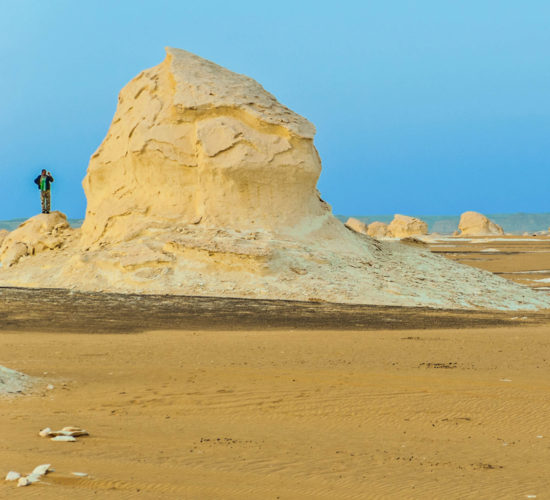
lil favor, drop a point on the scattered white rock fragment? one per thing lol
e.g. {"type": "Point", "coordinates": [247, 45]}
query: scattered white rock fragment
{"type": "Point", "coordinates": [33, 478]}
{"type": "Point", "coordinates": [49, 387]}
{"type": "Point", "coordinates": [23, 481]}
{"type": "Point", "coordinates": [41, 470]}
{"type": "Point", "coordinates": [540, 437]}
{"type": "Point", "coordinates": [63, 438]}
{"type": "Point", "coordinates": [505, 380]}
{"type": "Point", "coordinates": [79, 474]}
{"type": "Point", "coordinates": [12, 475]}
{"type": "Point", "coordinates": [66, 431]}
{"type": "Point", "coordinates": [74, 431]}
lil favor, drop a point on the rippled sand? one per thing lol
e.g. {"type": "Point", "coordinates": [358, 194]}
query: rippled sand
{"type": "Point", "coordinates": [221, 399]}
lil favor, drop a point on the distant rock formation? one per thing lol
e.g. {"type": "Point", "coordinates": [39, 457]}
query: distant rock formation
{"type": "Point", "coordinates": [206, 185]}
{"type": "Point", "coordinates": [476, 224]}
{"type": "Point", "coordinates": [377, 230]}
{"type": "Point", "coordinates": [403, 226]}
{"type": "Point", "coordinates": [356, 225]}
{"type": "Point", "coordinates": [37, 234]}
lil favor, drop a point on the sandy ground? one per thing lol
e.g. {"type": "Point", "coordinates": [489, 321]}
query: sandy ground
{"type": "Point", "coordinates": [277, 408]}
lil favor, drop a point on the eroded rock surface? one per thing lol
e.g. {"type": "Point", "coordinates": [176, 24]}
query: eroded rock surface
{"type": "Point", "coordinates": [356, 225]}
{"type": "Point", "coordinates": [38, 234]}
{"type": "Point", "coordinates": [476, 224]}
{"type": "Point", "coordinates": [377, 229]}
{"type": "Point", "coordinates": [3, 234]}
{"type": "Point", "coordinates": [403, 226]}
{"type": "Point", "coordinates": [192, 142]}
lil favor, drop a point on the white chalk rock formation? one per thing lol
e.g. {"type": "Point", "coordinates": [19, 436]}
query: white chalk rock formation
{"type": "Point", "coordinates": [206, 185]}
{"type": "Point", "coordinates": [356, 225]}
{"type": "Point", "coordinates": [476, 224]}
{"type": "Point", "coordinates": [377, 230]}
{"type": "Point", "coordinates": [38, 234]}
{"type": "Point", "coordinates": [403, 226]}
{"type": "Point", "coordinates": [194, 142]}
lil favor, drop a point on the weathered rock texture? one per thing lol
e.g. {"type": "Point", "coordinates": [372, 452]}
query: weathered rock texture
{"type": "Point", "coordinates": [191, 141]}
{"type": "Point", "coordinates": [3, 234]}
{"type": "Point", "coordinates": [377, 229]}
{"type": "Point", "coordinates": [356, 225]}
{"type": "Point", "coordinates": [206, 185]}
{"type": "Point", "coordinates": [403, 226]}
{"type": "Point", "coordinates": [476, 224]}
{"type": "Point", "coordinates": [38, 234]}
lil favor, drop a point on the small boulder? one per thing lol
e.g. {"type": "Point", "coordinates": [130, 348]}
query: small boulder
{"type": "Point", "coordinates": [12, 476]}
{"type": "Point", "coordinates": [37, 234]}
{"type": "Point", "coordinates": [403, 226]}
{"type": "Point", "coordinates": [476, 224]}
{"type": "Point", "coordinates": [356, 225]}
{"type": "Point", "coordinates": [377, 229]}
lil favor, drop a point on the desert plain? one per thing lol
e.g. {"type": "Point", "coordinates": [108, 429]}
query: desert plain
{"type": "Point", "coordinates": [217, 398]}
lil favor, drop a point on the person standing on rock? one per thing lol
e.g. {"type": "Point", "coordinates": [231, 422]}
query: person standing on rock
{"type": "Point", "coordinates": [43, 181]}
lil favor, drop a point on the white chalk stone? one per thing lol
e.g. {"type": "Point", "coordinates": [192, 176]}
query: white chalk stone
{"type": "Point", "coordinates": [45, 432]}
{"type": "Point", "coordinates": [12, 475]}
{"type": "Point", "coordinates": [41, 470]}
{"type": "Point", "coordinates": [64, 438]}
{"type": "Point", "coordinates": [23, 481]}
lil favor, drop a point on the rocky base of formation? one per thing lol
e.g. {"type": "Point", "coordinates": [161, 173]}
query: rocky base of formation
{"type": "Point", "coordinates": [196, 260]}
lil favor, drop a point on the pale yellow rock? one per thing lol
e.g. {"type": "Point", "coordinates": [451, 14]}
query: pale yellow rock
{"type": "Point", "coordinates": [377, 229]}
{"type": "Point", "coordinates": [476, 224]}
{"type": "Point", "coordinates": [206, 185]}
{"type": "Point", "coordinates": [37, 234]}
{"type": "Point", "coordinates": [356, 225]}
{"type": "Point", "coordinates": [3, 234]}
{"type": "Point", "coordinates": [192, 141]}
{"type": "Point", "coordinates": [403, 226]}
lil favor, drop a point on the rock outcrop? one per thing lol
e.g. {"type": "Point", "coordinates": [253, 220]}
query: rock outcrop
{"type": "Point", "coordinates": [403, 226]}
{"type": "Point", "coordinates": [38, 234]}
{"type": "Point", "coordinates": [476, 224]}
{"type": "Point", "coordinates": [356, 225]}
{"type": "Point", "coordinates": [206, 185]}
{"type": "Point", "coordinates": [3, 234]}
{"type": "Point", "coordinates": [194, 142]}
{"type": "Point", "coordinates": [377, 230]}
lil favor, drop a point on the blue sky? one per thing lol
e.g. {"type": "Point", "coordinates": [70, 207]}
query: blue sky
{"type": "Point", "coordinates": [421, 107]}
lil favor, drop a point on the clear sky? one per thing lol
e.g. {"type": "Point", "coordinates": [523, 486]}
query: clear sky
{"type": "Point", "coordinates": [421, 106]}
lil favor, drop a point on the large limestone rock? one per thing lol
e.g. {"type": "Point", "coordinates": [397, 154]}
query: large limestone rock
{"type": "Point", "coordinates": [476, 224]}
{"type": "Point", "coordinates": [206, 185]}
{"type": "Point", "coordinates": [38, 234]}
{"type": "Point", "coordinates": [194, 142]}
{"type": "Point", "coordinates": [356, 225]}
{"type": "Point", "coordinates": [403, 226]}
{"type": "Point", "coordinates": [377, 230]}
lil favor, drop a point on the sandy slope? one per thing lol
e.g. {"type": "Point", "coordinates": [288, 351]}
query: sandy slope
{"type": "Point", "coordinates": [285, 414]}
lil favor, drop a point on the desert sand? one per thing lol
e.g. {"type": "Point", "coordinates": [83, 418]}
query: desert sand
{"type": "Point", "coordinates": [259, 399]}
